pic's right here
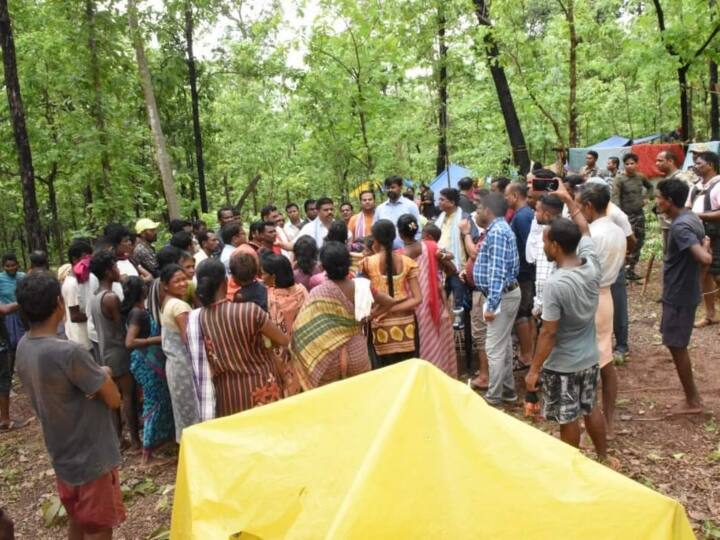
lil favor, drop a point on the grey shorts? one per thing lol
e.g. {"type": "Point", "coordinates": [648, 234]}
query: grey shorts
{"type": "Point", "coordinates": [676, 325]}
{"type": "Point", "coordinates": [527, 292]}
{"type": "Point", "coordinates": [567, 396]}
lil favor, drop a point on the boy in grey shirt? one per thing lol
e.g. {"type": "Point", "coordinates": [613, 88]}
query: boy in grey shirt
{"type": "Point", "coordinates": [73, 398]}
{"type": "Point", "coordinates": [566, 353]}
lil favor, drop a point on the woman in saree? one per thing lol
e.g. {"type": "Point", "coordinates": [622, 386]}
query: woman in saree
{"type": "Point", "coordinates": [174, 316]}
{"type": "Point", "coordinates": [394, 335]}
{"type": "Point", "coordinates": [238, 339]}
{"type": "Point", "coordinates": [306, 263]}
{"type": "Point", "coordinates": [147, 364]}
{"type": "Point", "coordinates": [437, 344]}
{"type": "Point", "coordinates": [328, 343]}
{"type": "Point", "coordinates": [285, 299]}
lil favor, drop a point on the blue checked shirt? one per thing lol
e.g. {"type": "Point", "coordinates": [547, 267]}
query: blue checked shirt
{"type": "Point", "coordinates": [497, 263]}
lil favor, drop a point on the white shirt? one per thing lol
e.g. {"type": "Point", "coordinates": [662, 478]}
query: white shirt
{"type": "Point", "coordinates": [127, 268]}
{"type": "Point", "coordinates": [200, 256]}
{"type": "Point", "coordinates": [316, 230]}
{"type": "Point", "coordinates": [227, 251]}
{"type": "Point", "coordinates": [291, 231]}
{"type": "Point", "coordinates": [283, 237]}
{"type": "Point", "coordinates": [93, 285]}
{"type": "Point", "coordinates": [698, 206]}
{"type": "Point", "coordinates": [75, 294]}
{"type": "Point", "coordinates": [619, 218]}
{"type": "Point", "coordinates": [610, 246]}
{"type": "Point", "coordinates": [535, 253]}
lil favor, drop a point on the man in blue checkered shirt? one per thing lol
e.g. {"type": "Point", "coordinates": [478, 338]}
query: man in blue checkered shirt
{"type": "Point", "coordinates": [495, 273]}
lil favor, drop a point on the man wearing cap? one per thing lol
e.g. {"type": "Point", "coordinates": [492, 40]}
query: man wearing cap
{"type": "Point", "coordinates": [144, 253]}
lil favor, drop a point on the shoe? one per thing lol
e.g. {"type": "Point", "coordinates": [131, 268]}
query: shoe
{"type": "Point", "coordinates": [510, 399]}
{"type": "Point", "coordinates": [458, 321]}
{"type": "Point", "coordinates": [632, 276]}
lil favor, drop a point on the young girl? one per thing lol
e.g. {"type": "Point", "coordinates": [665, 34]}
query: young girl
{"type": "Point", "coordinates": [285, 299]}
{"type": "Point", "coordinates": [174, 317]}
{"type": "Point", "coordinates": [105, 309]}
{"type": "Point", "coordinates": [394, 334]}
{"type": "Point", "coordinates": [147, 364]}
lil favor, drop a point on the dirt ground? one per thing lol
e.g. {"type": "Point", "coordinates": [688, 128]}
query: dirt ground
{"type": "Point", "coordinates": [678, 456]}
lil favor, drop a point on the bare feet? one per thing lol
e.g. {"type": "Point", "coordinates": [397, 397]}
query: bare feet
{"type": "Point", "coordinates": [611, 462]}
{"type": "Point", "coordinates": [686, 408]}
{"type": "Point", "coordinates": [150, 461]}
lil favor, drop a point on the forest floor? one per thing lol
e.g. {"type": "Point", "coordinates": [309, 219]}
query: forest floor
{"type": "Point", "coordinates": [678, 456]}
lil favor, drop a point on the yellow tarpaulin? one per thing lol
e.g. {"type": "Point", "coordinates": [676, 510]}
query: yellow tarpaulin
{"type": "Point", "coordinates": [369, 185]}
{"type": "Point", "coordinates": [402, 452]}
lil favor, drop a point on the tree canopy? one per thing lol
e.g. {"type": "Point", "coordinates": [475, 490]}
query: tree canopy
{"type": "Point", "coordinates": [353, 96]}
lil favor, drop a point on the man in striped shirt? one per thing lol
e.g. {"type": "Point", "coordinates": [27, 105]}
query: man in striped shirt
{"type": "Point", "coordinates": [495, 274]}
{"type": "Point", "coordinates": [547, 208]}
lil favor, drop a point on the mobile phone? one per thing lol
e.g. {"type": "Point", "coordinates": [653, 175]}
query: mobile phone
{"type": "Point", "coordinates": [545, 184]}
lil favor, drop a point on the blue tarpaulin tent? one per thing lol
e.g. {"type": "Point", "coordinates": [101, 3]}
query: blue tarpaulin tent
{"type": "Point", "coordinates": [616, 141]}
{"type": "Point", "coordinates": [647, 139]}
{"type": "Point", "coordinates": [449, 178]}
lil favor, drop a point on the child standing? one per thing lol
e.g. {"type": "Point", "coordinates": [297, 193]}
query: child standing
{"type": "Point", "coordinates": [74, 399]}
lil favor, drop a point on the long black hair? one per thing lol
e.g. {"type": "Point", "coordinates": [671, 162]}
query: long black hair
{"type": "Point", "coordinates": [210, 276]}
{"type": "Point", "coordinates": [133, 291]}
{"type": "Point", "coordinates": [280, 267]}
{"type": "Point", "coordinates": [383, 232]}
{"type": "Point", "coordinates": [306, 254]}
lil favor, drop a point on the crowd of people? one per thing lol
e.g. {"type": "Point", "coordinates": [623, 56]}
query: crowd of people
{"type": "Point", "coordinates": [130, 342]}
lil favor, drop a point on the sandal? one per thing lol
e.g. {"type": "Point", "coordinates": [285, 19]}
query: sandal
{"type": "Point", "coordinates": [12, 425]}
{"type": "Point", "coordinates": [702, 323]}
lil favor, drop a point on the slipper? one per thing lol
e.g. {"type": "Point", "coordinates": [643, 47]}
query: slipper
{"type": "Point", "coordinates": [14, 424]}
{"type": "Point", "coordinates": [702, 323]}
{"type": "Point", "coordinates": [519, 365]}
{"type": "Point", "coordinates": [476, 386]}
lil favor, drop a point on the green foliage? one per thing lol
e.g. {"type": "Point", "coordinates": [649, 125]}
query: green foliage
{"type": "Point", "coordinates": [325, 96]}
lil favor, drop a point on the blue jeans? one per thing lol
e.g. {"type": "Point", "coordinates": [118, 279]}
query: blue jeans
{"type": "Point", "coordinates": [455, 285]}
{"type": "Point", "coordinates": [620, 314]}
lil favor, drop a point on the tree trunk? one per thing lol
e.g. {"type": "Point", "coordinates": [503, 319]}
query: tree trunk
{"type": "Point", "coordinates": [33, 228]}
{"type": "Point", "coordinates": [197, 133]}
{"type": "Point", "coordinates": [685, 120]}
{"type": "Point", "coordinates": [96, 108]}
{"type": "Point", "coordinates": [714, 106]}
{"type": "Point", "coordinates": [56, 226]}
{"type": "Point", "coordinates": [442, 161]}
{"type": "Point", "coordinates": [162, 156]}
{"type": "Point", "coordinates": [502, 88]}
{"type": "Point", "coordinates": [361, 107]}
{"type": "Point", "coordinates": [226, 189]}
{"type": "Point", "coordinates": [684, 102]}
{"type": "Point", "coordinates": [572, 98]}
{"type": "Point", "coordinates": [251, 187]}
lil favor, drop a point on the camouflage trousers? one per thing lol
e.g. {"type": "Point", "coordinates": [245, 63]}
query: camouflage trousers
{"type": "Point", "coordinates": [637, 221]}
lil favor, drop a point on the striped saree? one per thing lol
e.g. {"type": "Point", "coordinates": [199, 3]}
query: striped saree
{"type": "Point", "coordinates": [327, 342]}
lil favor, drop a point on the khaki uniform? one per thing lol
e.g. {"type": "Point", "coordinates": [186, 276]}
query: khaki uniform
{"type": "Point", "coordinates": [629, 194]}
